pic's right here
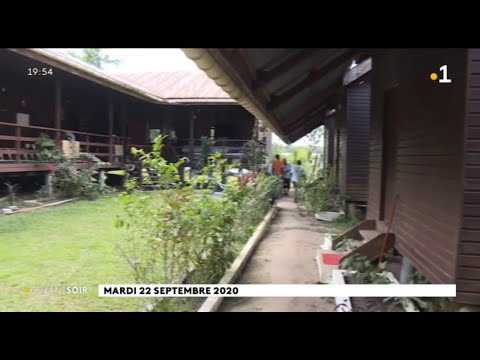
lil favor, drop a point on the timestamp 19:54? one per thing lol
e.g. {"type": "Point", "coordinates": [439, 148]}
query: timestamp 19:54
{"type": "Point", "coordinates": [39, 71]}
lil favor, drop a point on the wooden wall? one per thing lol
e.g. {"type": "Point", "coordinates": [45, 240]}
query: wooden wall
{"type": "Point", "coordinates": [341, 155]}
{"type": "Point", "coordinates": [468, 260]}
{"type": "Point", "coordinates": [425, 153]}
{"type": "Point", "coordinates": [329, 142]}
{"type": "Point", "coordinates": [358, 138]}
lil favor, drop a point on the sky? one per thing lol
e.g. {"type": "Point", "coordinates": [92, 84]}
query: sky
{"type": "Point", "coordinates": [132, 60]}
{"type": "Point", "coordinates": [138, 59]}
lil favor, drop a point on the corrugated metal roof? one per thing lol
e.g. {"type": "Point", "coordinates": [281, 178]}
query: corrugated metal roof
{"type": "Point", "coordinates": [288, 90]}
{"type": "Point", "coordinates": [178, 85]}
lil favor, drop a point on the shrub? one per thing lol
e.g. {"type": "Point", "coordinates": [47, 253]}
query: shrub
{"type": "Point", "coordinates": [363, 271]}
{"type": "Point", "coordinates": [71, 182]}
{"type": "Point", "coordinates": [68, 181]}
{"type": "Point", "coordinates": [317, 193]}
{"type": "Point", "coordinates": [46, 149]}
{"type": "Point", "coordinates": [179, 231]}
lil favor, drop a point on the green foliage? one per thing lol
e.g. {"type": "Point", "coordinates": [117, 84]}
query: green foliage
{"type": "Point", "coordinates": [68, 181]}
{"type": "Point", "coordinates": [316, 193]}
{"type": "Point", "coordinates": [46, 149]}
{"type": "Point", "coordinates": [42, 192]}
{"type": "Point", "coordinates": [253, 155]}
{"type": "Point", "coordinates": [400, 303]}
{"type": "Point", "coordinates": [363, 271]}
{"type": "Point", "coordinates": [83, 156]}
{"type": "Point", "coordinates": [206, 150]}
{"type": "Point", "coordinates": [345, 245]}
{"type": "Point", "coordinates": [417, 278]}
{"type": "Point", "coordinates": [168, 174]}
{"type": "Point", "coordinates": [424, 304]}
{"type": "Point", "coordinates": [350, 220]}
{"type": "Point", "coordinates": [71, 182]}
{"type": "Point", "coordinates": [212, 175]}
{"type": "Point", "coordinates": [315, 136]}
{"type": "Point", "coordinates": [278, 149]}
{"type": "Point", "coordinates": [180, 232]}
{"type": "Point", "coordinates": [94, 57]}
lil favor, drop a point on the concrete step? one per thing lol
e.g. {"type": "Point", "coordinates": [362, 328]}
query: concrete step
{"type": "Point", "coordinates": [369, 234]}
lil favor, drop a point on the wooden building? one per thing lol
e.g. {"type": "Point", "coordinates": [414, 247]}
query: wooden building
{"type": "Point", "coordinates": [203, 110]}
{"type": "Point", "coordinates": [46, 92]}
{"type": "Point", "coordinates": [424, 144]}
{"type": "Point", "coordinates": [347, 133]}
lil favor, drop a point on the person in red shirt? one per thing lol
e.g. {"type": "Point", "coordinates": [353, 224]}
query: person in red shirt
{"type": "Point", "coordinates": [277, 166]}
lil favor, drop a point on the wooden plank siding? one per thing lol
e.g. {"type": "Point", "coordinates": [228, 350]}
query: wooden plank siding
{"type": "Point", "coordinates": [329, 142]}
{"type": "Point", "coordinates": [384, 76]}
{"type": "Point", "coordinates": [358, 132]}
{"type": "Point", "coordinates": [468, 260]}
{"type": "Point", "coordinates": [428, 154]}
{"type": "Point", "coordinates": [341, 155]}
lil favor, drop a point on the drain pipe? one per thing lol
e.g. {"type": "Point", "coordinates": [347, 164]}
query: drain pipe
{"type": "Point", "coordinates": [406, 271]}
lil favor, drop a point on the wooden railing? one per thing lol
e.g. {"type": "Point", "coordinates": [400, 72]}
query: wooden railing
{"type": "Point", "coordinates": [225, 146]}
{"type": "Point", "coordinates": [14, 138]}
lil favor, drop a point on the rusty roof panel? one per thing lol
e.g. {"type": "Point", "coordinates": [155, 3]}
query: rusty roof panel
{"type": "Point", "coordinates": [177, 84]}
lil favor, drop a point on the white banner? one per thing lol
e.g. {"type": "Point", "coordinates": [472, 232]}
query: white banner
{"type": "Point", "coordinates": [270, 290]}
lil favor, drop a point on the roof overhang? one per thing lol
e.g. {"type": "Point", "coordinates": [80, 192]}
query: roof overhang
{"type": "Point", "coordinates": [203, 101]}
{"type": "Point", "coordinates": [81, 69]}
{"type": "Point", "coordinates": [289, 90]}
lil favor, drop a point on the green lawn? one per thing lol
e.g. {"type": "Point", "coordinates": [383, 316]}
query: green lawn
{"type": "Point", "coordinates": [71, 245]}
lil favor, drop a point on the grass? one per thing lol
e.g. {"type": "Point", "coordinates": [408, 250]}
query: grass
{"type": "Point", "coordinates": [71, 245]}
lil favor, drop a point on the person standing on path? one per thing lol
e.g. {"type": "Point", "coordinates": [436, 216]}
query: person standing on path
{"type": "Point", "coordinates": [287, 174]}
{"type": "Point", "coordinates": [297, 175]}
{"type": "Point", "coordinates": [277, 166]}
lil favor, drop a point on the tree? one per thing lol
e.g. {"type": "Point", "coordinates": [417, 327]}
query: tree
{"type": "Point", "coordinates": [94, 57]}
{"type": "Point", "coordinates": [315, 136]}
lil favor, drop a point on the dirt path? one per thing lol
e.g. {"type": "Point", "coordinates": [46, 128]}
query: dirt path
{"type": "Point", "coordinates": [285, 256]}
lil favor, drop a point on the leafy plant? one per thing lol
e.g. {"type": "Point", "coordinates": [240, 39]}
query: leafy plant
{"type": "Point", "coordinates": [417, 278]}
{"type": "Point", "coordinates": [42, 192]}
{"type": "Point", "coordinates": [350, 220]}
{"type": "Point", "coordinates": [167, 174]}
{"type": "Point", "coordinates": [71, 182]}
{"type": "Point", "coordinates": [206, 145]}
{"type": "Point", "coordinates": [253, 156]}
{"type": "Point", "coordinates": [94, 57]}
{"type": "Point", "coordinates": [345, 245]}
{"type": "Point", "coordinates": [400, 303]}
{"type": "Point", "coordinates": [179, 230]}
{"type": "Point", "coordinates": [316, 193]}
{"type": "Point", "coordinates": [427, 304]}
{"type": "Point", "coordinates": [46, 149]}
{"type": "Point", "coordinates": [363, 271]}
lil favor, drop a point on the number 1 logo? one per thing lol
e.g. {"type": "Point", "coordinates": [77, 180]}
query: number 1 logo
{"type": "Point", "coordinates": [444, 79]}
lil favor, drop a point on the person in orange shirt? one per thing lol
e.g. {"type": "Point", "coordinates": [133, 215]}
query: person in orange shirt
{"type": "Point", "coordinates": [277, 166]}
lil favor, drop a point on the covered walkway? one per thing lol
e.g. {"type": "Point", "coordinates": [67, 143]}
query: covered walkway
{"type": "Point", "coordinates": [285, 256]}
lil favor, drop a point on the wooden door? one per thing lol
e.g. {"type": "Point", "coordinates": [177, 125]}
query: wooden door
{"type": "Point", "coordinates": [391, 121]}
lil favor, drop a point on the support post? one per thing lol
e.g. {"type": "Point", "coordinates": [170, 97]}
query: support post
{"type": "Point", "coordinates": [124, 121]}
{"type": "Point", "coordinates": [57, 110]}
{"type": "Point", "coordinates": [406, 271]}
{"type": "Point", "coordinates": [18, 144]}
{"type": "Point", "coordinates": [110, 128]}
{"type": "Point", "coordinates": [191, 141]}
{"type": "Point", "coordinates": [48, 184]}
{"type": "Point", "coordinates": [101, 179]}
